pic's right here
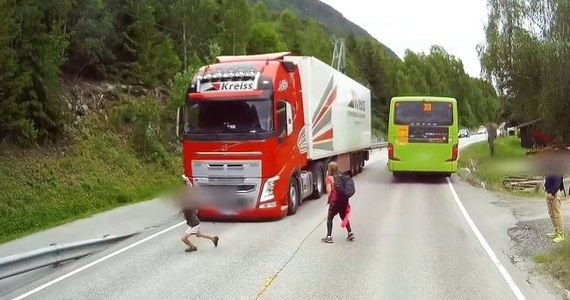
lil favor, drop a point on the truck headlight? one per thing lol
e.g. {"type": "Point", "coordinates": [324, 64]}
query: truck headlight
{"type": "Point", "coordinates": [267, 192]}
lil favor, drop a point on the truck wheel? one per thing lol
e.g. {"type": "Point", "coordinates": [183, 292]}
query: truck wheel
{"type": "Point", "coordinates": [319, 180]}
{"type": "Point", "coordinates": [352, 164]}
{"type": "Point", "coordinates": [360, 165]}
{"type": "Point", "coordinates": [292, 197]}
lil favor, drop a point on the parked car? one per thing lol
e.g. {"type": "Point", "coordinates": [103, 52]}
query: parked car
{"type": "Point", "coordinates": [463, 133]}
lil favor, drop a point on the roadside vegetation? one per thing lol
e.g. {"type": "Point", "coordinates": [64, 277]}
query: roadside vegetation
{"type": "Point", "coordinates": [111, 162]}
{"type": "Point", "coordinates": [478, 160]}
{"type": "Point", "coordinates": [557, 263]}
{"type": "Point", "coordinates": [526, 56]}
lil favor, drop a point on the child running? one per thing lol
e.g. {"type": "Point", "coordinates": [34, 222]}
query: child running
{"type": "Point", "coordinates": [189, 208]}
{"type": "Point", "coordinates": [338, 203]}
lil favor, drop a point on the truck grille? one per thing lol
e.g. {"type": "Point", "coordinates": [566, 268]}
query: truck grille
{"type": "Point", "coordinates": [229, 185]}
{"type": "Point", "coordinates": [227, 169]}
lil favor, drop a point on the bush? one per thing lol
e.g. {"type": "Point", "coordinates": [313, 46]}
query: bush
{"type": "Point", "coordinates": [142, 118]}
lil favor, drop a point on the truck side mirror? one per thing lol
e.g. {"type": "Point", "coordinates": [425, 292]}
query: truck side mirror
{"type": "Point", "coordinates": [289, 110]}
{"type": "Point", "coordinates": [180, 121]}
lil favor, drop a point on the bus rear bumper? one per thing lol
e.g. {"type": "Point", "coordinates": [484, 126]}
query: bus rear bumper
{"type": "Point", "coordinates": [427, 167]}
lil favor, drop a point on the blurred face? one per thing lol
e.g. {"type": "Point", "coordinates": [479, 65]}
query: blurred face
{"type": "Point", "coordinates": [190, 198]}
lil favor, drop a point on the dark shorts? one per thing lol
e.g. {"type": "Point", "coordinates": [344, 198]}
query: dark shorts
{"type": "Point", "coordinates": [337, 210]}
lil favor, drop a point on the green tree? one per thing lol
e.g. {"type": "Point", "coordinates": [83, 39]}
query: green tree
{"type": "Point", "coordinates": [291, 29]}
{"type": "Point", "coordinates": [265, 39]}
{"type": "Point", "coordinates": [316, 42]}
{"type": "Point", "coordinates": [260, 12]}
{"type": "Point", "coordinates": [90, 50]}
{"type": "Point", "coordinates": [193, 26]}
{"type": "Point", "coordinates": [33, 89]}
{"type": "Point", "coordinates": [146, 55]}
{"type": "Point", "coordinates": [236, 20]}
{"type": "Point", "coordinates": [13, 80]}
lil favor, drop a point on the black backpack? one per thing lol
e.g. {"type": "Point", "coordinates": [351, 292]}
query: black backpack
{"type": "Point", "coordinates": [344, 186]}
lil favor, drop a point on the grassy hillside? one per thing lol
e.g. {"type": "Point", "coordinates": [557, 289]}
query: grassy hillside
{"type": "Point", "coordinates": [328, 16]}
{"type": "Point", "coordinates": [111, 161]}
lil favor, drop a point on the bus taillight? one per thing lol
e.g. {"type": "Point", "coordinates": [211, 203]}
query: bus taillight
{"type": "Point", "coordinates": [391, 152]}
{"type": "Point", "coordinates": [454, 153]}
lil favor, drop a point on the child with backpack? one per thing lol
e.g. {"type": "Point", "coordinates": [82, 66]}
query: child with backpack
{"type": "Point", "coordinates": [340, 188]}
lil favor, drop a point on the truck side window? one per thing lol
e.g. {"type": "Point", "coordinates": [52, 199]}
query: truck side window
{"type": "Point", "coordinates": [281, 116]}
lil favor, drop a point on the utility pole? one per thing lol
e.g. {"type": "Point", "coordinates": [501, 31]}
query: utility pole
{"type": "Point", "coordinates": [339, 55]}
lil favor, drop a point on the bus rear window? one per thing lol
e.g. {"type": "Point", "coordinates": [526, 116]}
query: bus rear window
{"type": "Point", "coordinates": [420, 113]}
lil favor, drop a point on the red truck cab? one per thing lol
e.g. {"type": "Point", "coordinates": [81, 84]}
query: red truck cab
{"type": "Point", "coordinates": [239, 131]}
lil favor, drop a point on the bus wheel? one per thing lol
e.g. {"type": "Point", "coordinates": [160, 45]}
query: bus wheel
{"type": "Point", "coordinates": [292, 197]}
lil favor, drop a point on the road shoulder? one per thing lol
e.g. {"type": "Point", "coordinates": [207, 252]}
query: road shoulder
{"type": "Point", "coordinates": [119, 221]}
{"type": "Point", "coordinates": [520, 224]}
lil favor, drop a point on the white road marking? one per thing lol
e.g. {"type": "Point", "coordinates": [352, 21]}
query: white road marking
{"type": "Point", "coordinates": [102, 259]}
{"type": "Point", "coordinates": [486, 246]}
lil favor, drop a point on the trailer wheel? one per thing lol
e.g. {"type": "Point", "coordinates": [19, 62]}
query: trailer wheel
{"type": "Point", "coordinates": [292, 197]}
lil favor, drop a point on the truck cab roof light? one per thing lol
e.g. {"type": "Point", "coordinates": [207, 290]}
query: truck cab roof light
{"type": "Point", "coordinates": [251, 73]}
{"type": "Point", "coordinates": [228, 75]}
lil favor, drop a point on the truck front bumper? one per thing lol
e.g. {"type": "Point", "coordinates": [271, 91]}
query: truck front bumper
{"type": "Point", "coordinates": [271, 213]}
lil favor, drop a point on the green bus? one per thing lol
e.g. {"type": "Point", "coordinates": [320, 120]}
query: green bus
{"type": "Point", "coordinates": [423, 135]}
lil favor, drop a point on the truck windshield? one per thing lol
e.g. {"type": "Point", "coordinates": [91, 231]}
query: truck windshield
{"type": "Point", "coordinates": [420, 113]}
{"type": "Point", "coordinates": [232, 116]}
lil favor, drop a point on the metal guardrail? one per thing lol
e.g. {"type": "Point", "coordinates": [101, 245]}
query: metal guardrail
{"type": "Point", "coordinates": [379, 145]}
{"type": "Point", "coordinates": [53, 255]}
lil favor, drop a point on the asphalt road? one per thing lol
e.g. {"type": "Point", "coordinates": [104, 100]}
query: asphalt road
{"type": "Point", "coordinates": [413, 241]}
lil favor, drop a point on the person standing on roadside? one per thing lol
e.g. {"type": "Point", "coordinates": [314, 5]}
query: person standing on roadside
{"type": "Point", "coordinates": [340, 189]}
{"type": "Point", "coordinates": [554, 187]}
{"type": "Point", "coordinates": [190, 205]}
